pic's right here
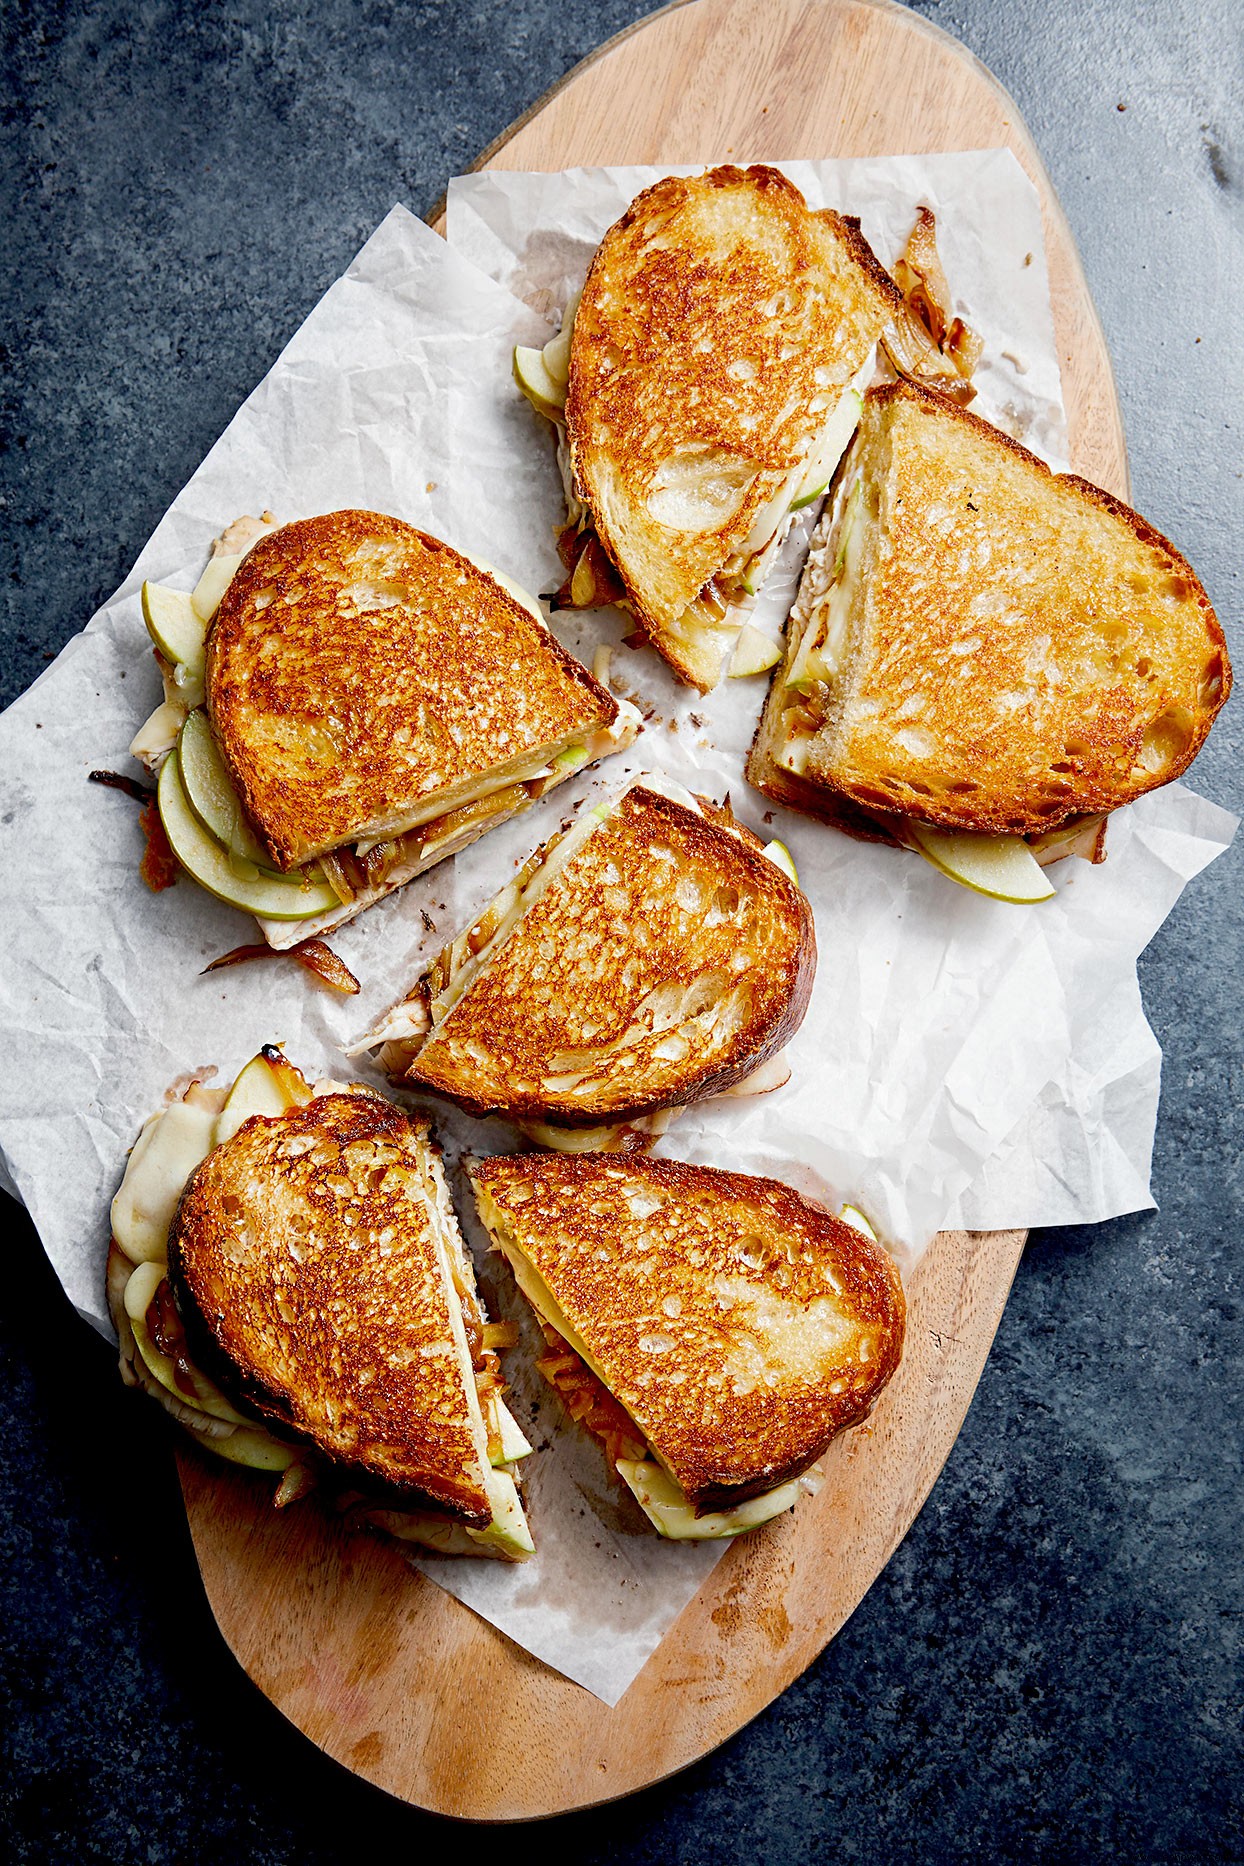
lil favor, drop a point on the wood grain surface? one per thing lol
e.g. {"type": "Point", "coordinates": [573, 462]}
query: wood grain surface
{"type": "Point", "coordinates": [383, 1670]}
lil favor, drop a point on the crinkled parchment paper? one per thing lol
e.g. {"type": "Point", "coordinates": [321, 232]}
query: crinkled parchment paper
{"type": "Point", "coordinates": [960, 1059]}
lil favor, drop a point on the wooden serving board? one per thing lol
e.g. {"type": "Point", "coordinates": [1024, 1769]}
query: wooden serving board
{"type": "Point", "coordinates": [383, 1670]}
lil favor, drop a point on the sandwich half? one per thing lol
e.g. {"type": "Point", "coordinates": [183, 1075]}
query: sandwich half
{"type": "Point", "coordinates": [985, 658]}
{"type": "Point", "coordinates": [287, 1278]}
{"type": "Point", "coordinates": [650, 955]}
{"type": "Point", "coordinates": [703, 387]}
{"type": "Point", "coordinates": [359, 702]}
{"type": "Point", "coordinates": [716, 1331]}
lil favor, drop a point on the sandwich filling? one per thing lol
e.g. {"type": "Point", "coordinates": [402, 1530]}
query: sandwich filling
{"type": "Point", "coordinates": [573, 1372]}
{"type": "Point", "coordinates": [821, 631]}
{"type": "Point", "coordinates": [709, 625]}
{"type": "Point", "coordinates": [154, 1353]}
{"type": "Point", "coordinates": [424, 1014]}
{"type": "Point", "coordinates": [207, 825]}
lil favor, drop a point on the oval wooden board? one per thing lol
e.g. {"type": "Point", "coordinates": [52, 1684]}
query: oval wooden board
{"type": "Point", "coordinates": [380, 1668]}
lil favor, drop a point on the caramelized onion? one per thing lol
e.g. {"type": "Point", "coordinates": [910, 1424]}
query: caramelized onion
{"type": "Point", "coordinates": [115, 780]}
{"type": "Point", "coordinates": [168, 1336]}
{"type": "Point", "coordinates": [297, 1481]}
{"type": "Point", "coordinates": [341, 874]}
{"type": "Point", "coordinates": [159, 867]}
{"type": "Point", "coordinates": [500, 1334]}
{"type": "Point", "coordinates": [588, 1401]}
{"type": "Point", "coordinates": [928, 344]}
{"type": "Point", "coordinates": [592, 582]}
{"type": "Point", "coordinates": [312, 954]}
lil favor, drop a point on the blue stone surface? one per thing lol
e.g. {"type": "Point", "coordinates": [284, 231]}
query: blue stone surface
{"type": "Point", "coordinates": [1049, 1668]}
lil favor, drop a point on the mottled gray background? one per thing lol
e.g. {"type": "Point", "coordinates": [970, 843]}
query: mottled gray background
{"type": "Point", "coordinates": [1049, 1667]}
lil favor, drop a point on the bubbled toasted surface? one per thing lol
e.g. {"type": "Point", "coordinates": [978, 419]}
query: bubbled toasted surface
{"type": "Point", "coordinates": [1028, 647]}
{"type": "Point", "coordinates": [304, 1249]}
{"type": "Point", "coordinates": [741, 1326]}
{"type": "Point", "coordinates": [720, 322]}
{"type": "Point", "coordinates": [667, 960]}
{"type": "Point", "coordinates": [358, 667]}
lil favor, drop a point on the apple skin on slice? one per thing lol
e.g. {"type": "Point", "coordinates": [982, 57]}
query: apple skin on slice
{"type": "Point", "coordinates": [672, 1516]}
{"type": "Point", "coordinates": [211, 866]}
{"type": "Point", "coordinates": [268, 1085]}
{"type": "Point", "coordinates": [853, 1216]}
{"type": "Point", "coordinates": [1001, 867]}
{"type": "Point", "coordinates": [754, 653]}
{"type": "Point", "coordinates": [212, 797]}
{"type": "Point", "coordinates": [531, 373]}
{"type": "Point", "coordinates": [173, 626]}
{"type": "Point", "coordinates": [781, 857]}
{"type": "Point", "coordinates": [833, 445]}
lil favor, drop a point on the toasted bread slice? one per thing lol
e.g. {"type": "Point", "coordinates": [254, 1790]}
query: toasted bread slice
{"type": "Point", "coordinates": [980, 644]}
{"type": "Point", "coordinates": [364, 678]}
{"type": "Point", "coordinates": [740, 1326]}
{"type": "Point", "coordinates": [720, 327]}
{"type": "Point", "coordinates": [648, 957]}
{"type": "Point", "coordinates": [313, 1259]}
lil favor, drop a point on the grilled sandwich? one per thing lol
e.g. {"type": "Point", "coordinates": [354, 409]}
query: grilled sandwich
{"type": "Point", "coordinates": [703, 388]}
{"type": "Point", "coordinates": [649, 955]}
{"type": "Point", "coordinates": [287, 1278]}
{"type": "Point", "coordinates": [350, 703]}
{"type": "Point", "coordinates": [985, 658]}
{"type": "Point", "coordinates": [716, 1331]}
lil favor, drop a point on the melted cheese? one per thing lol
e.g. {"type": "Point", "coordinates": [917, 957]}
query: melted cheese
{"type": "Point", "coordinates": [167, 1151]}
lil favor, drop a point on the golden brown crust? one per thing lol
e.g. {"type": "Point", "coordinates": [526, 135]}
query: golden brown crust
{"type": "Point", "coordinates": [817, 800]}
{"type": "Point", "coordinates": [720, 322]}
{"type": "Point", "coordinates": [667, 961]}
{"type": "Point", "coordinates": [1026, 649]}
{"type": "Point", "coordinates": [741, 1326]}
{"type": "Point", "coordinates": [360, 672]}
{"type": "Point", "coordinates": [303, 1263]}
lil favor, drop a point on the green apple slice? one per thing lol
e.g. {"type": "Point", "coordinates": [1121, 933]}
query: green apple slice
{"type": "Point", "coordinates": [508, 1531]}
{"type": "Point", "coordinates": [268, 1085]}
{"type": "Point", "coordinates": [832, 445]}
{"type": "Point", "coordinates": [514, 1441]}
{"type": "Point", "coordinates": [673, 1517]}
{"type": "Point", "coordinates": [174, 626]}
{"type": "Point", "coordinates": [809, 493]}
{"type": "Point", "coordinates": [557, 350]}
{"type": "Point", "coordinates": [531, 373]}
{"type": "Point", "coordinates": [1002, 867]}
{"type": "Point", "coordinates": [253, 1448]}
{"type": "Point", "coordinates": [754, 652]}
{"type": "Point", "coordinates": [209, 862]}
{"type": "Point", "coordinates": [213, 798]}
{"type": "Point", "coordinates": [556, 354]}
{"type": "Point", "coordinates": [781, 857]}
{"type": "Point", "coordinates": [207, 1397]}
{"type": "Point", "coordinates": [853, 1216]}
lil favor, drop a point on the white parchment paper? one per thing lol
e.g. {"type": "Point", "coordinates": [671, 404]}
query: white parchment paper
{"type": "Point", "coordinates": [960, 1058]}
